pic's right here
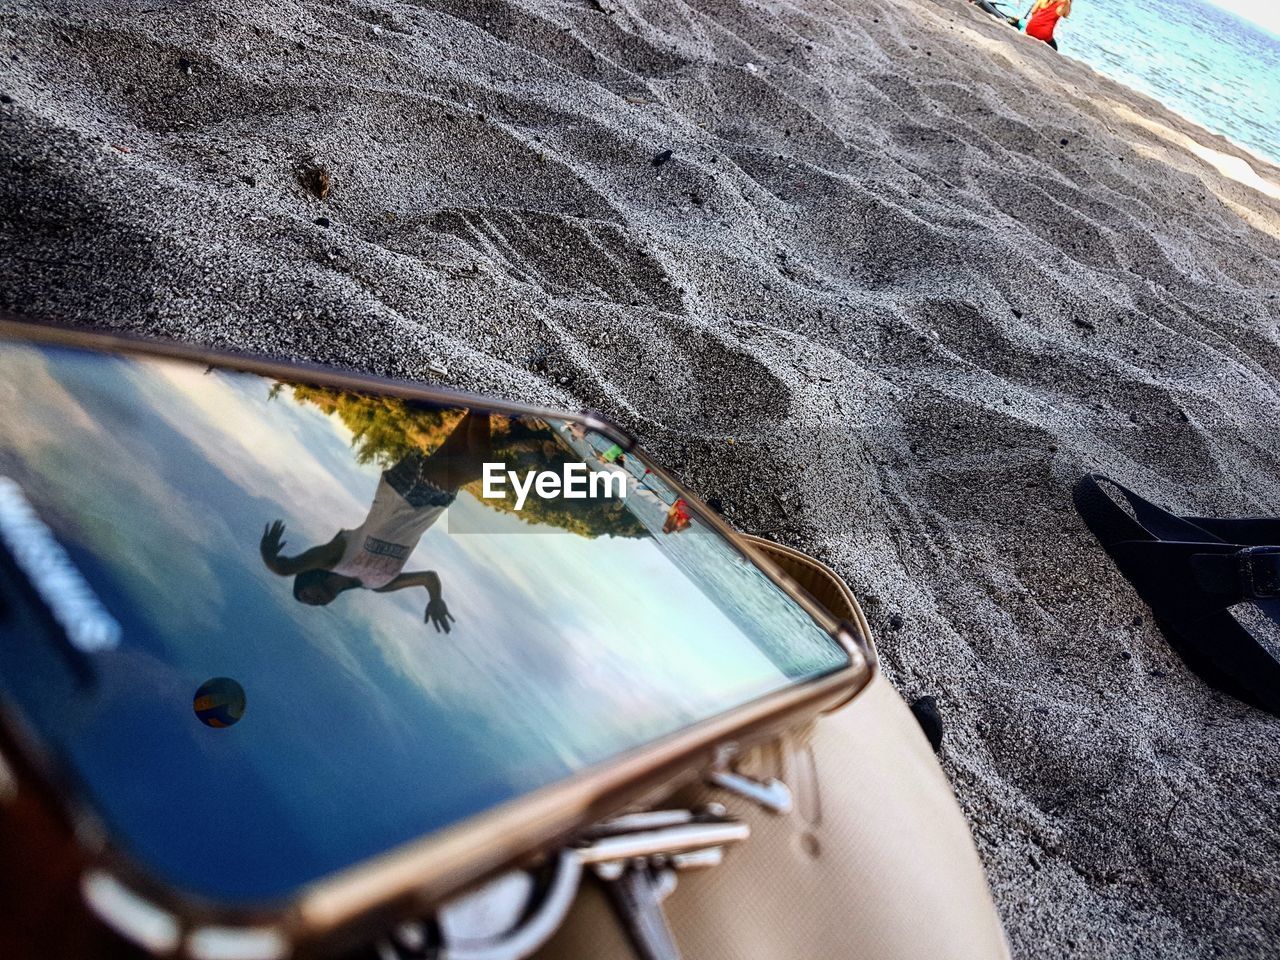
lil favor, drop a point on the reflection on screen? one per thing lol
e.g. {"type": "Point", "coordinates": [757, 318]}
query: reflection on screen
{"type": "Point", "coordinates": [332, 642]}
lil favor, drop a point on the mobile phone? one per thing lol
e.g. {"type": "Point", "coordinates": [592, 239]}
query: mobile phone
{"type": "Point", "coordinates": [305, 650]}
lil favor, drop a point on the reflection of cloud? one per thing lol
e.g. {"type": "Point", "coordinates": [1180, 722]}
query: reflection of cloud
{"type": "Point", "coordinates": [577, 623]}
{"type": "Point", "coordinates": [274, 458]}
{"type": "Point", "coordinates": [26, 381]}
{"type": "Point", "coordinates": [48, 423]}
{"type": "Point", "coordinates": [541, 698]}
{"type": "Point", "coordinates": [339, 636]}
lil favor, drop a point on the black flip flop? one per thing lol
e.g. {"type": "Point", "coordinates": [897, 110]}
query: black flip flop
{"type": "Point", "coordinates": [1191, 570]}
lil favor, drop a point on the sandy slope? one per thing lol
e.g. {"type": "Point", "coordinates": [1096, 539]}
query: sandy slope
{"type": "Point", "coordinates": [905, 278]}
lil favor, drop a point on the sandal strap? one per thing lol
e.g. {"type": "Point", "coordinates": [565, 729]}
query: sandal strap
{"type": "Point", "coordinates": [1191, 570]}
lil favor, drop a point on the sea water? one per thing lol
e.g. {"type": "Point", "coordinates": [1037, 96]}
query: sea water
{"type": "Point", "coordinates": [1209, 65]}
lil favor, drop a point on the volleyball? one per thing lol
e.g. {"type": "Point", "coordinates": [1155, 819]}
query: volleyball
{"type": "Point", "coordinates": [219, 702]}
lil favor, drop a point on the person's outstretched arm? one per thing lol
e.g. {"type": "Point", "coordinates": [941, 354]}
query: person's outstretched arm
{"type": "Point", "coordinates": [437, 614]}
{"type": "Point", "coordinates": [324, 557]}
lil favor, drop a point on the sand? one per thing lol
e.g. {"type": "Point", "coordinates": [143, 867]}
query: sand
{"type": "Point", "coordinates": [905, 277]}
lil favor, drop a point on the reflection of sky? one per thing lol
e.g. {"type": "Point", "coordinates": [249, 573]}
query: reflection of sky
{"type": "Point", "coordinates": [364, 727]}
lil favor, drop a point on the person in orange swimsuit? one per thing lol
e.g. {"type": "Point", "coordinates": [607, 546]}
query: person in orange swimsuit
{"type": "Point", "coordinates": [1044, 16]}
{"type": "Point", "coordinates": [677, 517]}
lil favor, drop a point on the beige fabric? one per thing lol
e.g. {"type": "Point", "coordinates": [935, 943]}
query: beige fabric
{"type": "Point", "coordinates": [815, 577]}
{"type": "Point", "coordinates": [876, 862]}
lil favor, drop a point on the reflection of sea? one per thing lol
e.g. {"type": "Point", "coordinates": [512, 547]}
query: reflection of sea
{"type": "Point", "coordinates": [775, 623]}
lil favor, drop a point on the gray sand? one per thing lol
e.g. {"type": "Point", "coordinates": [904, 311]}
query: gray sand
{"type": "Point", "coordinates": [905, 278]}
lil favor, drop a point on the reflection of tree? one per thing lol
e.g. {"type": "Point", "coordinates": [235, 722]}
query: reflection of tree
{"type": "Point", "coordinates": [384, 429]}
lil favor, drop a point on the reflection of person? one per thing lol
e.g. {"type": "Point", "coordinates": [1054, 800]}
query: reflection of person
{"type": "Point", "coordinates": [613, 455]}
{"type": "Point", "coordinates": [1044, 17]}
{"type": "Point", "coordinates": [411, 496]}
{"type": "Point", "coordinates": [677, 518]}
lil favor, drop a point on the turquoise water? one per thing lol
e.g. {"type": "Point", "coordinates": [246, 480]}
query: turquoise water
{"type": "Point", "coordinates": [1211, 66]}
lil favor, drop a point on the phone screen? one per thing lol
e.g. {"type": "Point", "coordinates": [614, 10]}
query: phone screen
{"type": "Point", "coordinates": [310, 625]}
